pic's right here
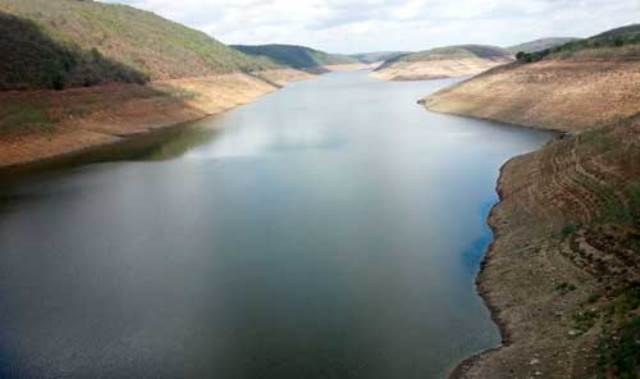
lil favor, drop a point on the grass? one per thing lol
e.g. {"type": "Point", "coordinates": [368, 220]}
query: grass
{"type": "Point", "coordinates": [628, 212]}
{"type": "Point", "coordinates": [568, 230]}
{"type": "Point", "coordinates": [62, 43]}
{"type": "Point", "coordinates": [180, 93]}
{"type": "Point", "coordinates": [299, 57]}
{"type": "Point", "coordinates": [618, 203]}
{"type": "Point", "coordinates": [633, 189]}
{"type": "Point", "coordinates": [539, 44]}
{"type": "Point", "coordinates": [564, 288]}
{"type": "Point", "coordinates": [619, 353]}
{"type": "Point", "coordinates": [627, 301]}
{"type": "Point", "coordinates": [583, 321]}
{"type": "Point", "coordinates": [17, 117]}
{"type": "Point", "coordinates": [618, 349]}
{"type": "Point", "coordinates": [593, 298]}
{"type": "Point", "coordinates": [620, 43]}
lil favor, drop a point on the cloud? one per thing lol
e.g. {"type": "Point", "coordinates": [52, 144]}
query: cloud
{"type": "Point", "coordinates": [358, 25]}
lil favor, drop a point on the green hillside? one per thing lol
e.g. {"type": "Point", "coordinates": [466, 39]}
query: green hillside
{"type": "Point", "coordinates": [299, 57]}
{"type": "Point", "coordinates": [377, 56]}
{"type": "Point", "coordinates": [619, 43]}
{"type": "Point", "coordinates": [540, 44]}
{"type": "Point", "coordinates": [61, 43]}
{"type": "Point", "coordinates": [451, 52]}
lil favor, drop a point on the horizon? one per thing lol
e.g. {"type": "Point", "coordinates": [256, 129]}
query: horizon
{"type": "Point", "coordinates": [391, 25]}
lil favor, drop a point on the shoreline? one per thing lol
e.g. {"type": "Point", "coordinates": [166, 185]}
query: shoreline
{"type": "Point", "coordinates": [463, 367]}
{"type": "Point", "coordinates": [134, 144]}
{"type": "Point", "coordinates": [552, 260]}
{"type": "Point", "coordinates": [140, 122]}
{"type": "Point", "coordinates": [437, 69]}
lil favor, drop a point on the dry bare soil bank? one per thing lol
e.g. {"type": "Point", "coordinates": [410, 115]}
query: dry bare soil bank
{"type": "Point", "coordinates": [563, 274]}
{"type": "Point", "coordinates": [438, 69]}
{"type": "Point", "coordinates": [565, 95]}
{"type": "Point", "coordinates": [43, 124]}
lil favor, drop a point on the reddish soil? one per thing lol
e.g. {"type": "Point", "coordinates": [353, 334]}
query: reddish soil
{"type": "Point", "coordinates": [40, 125]}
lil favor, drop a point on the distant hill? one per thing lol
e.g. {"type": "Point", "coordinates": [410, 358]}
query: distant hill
{"type": "Point", "coordinates": [540, 44]}
{"type": "Point", "coordinates": [377, 56]}
{"type": "Point", "coordinates": [451, 52]}
{"type": "Point", "coordinates": [61, 43]}
{"type": "Point", "coordinates": [443, 62]}
{"type": "Point", "coordinates": [625, 32]}
{"type": "Point", "coordinates": [619, 43]}
{"type": "Point", "coordinates": [298, 57]}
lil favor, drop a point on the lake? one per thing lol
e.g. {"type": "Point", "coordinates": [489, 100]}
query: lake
{"type": "Point", "coordinates": [332, 229]}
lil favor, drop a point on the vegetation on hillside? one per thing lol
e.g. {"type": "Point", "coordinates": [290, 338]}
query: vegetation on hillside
{"type": "Point", "coordinates": [60, 43]}
{"type": "Point", "coordinates": [298, 57]}
{"type": "Point", "coordinates": [377, 56]}
{"type": "Point", "coordinates": [451, 52]}
{"type": "Point", "coordinates": [540, 44]}
{"type": "Point", "coordinates": [619, 43]}
{"type": "Point", "coordinates": [31, 59]}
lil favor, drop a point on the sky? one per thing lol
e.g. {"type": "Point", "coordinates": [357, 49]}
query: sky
{"type": "Point", "coordinates": [351, 26]}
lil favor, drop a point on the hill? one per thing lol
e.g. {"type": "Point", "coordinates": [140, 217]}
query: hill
{"type": "Point", "coordinates": [378, 56]}
{"type": "Point", "coordinates": [298, 57]}
{"type": "Point", "coordinates": [540, 44]}
{"type": "Point", "coordinates": [443, 62]}
{"type": "Point", "coordinates": [60, 43]}
{"type": "Point", "coordinates": [79, 75]}
{"type": "Point", "coordinates": [562, 275]}
{"type": "Point", "coordinates": [619, 43]}
{"type": "Point", "coordinates": [572, 87]}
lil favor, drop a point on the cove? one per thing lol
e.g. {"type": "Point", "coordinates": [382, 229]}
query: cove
{"type": "Point", "coordinates": [333, 229]}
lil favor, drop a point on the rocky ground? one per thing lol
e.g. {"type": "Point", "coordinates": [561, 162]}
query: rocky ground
{"type": "Point", "coordinates": [563, 271]}
{"type": "Point", "coordinates": [563, 275]}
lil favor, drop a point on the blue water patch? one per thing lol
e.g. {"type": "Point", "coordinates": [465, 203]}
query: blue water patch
{"type": "Point", "coordinates": [331, 229]}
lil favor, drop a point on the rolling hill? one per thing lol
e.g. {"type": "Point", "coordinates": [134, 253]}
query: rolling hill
{"type": "Point", "coordinates": [572, 87]}
{"type": "Point", "coordinates": [79, 75]}
{"type": "Point", "coordinates": [378, 56]}
{"type": "Point", "coordinates": [619, 43]}
{"type": "Point", "coordinates": [443, 62]}
{"type": "Point", "coordinates": [540, 44]}
{"type": "Point", "coordinates": [61, 43]}
{"type": "Point", "coordinates": [298, 57]}
{"type": "Point", "coordinates": [565, 259]}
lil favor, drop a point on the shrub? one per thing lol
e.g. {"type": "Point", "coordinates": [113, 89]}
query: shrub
{"type": "Point", "coordinates": [57, 81]}
{"type": "Point", "coordinates": [620, 356]}
{"type": "Point", "coordinates": [564, 288]}
{"type": "Point", "coordinates": [568, 230]}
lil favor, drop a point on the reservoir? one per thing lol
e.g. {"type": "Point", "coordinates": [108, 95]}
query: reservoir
{"type": "Point", "coordinates": [332, 229]}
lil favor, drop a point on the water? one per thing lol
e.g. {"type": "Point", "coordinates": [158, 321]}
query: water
{"type": "Point", "coordinates": [330, 230]}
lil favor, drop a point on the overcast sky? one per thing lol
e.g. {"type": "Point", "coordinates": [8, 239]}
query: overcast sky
{"type": "Point", "coordinates": [349, 26]}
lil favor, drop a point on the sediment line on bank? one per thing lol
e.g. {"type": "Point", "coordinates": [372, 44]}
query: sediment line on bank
{"type": "Point", "coordinates": [47, 128]}
{"type": "Point", "coordinates": [562, 256]}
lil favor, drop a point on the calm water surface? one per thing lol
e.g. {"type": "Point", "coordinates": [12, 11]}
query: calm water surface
{"type": "Point", "coordinates": [330, 230]}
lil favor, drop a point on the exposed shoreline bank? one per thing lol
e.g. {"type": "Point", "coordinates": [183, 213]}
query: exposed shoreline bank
{"type": "Point", "coordinates": [88, 123]}
{"type": "Point", "coordinates": [437, 69]}
{"type": "Point", "coordinates": [463, 367]}
{"type": "Point", "coordinates": [486, 286]}
{"type": "Point", "coordinates": [562, 259]}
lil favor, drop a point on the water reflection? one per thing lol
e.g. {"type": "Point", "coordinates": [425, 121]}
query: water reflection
{"type": "Point", "coordinates": [332, 229]}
